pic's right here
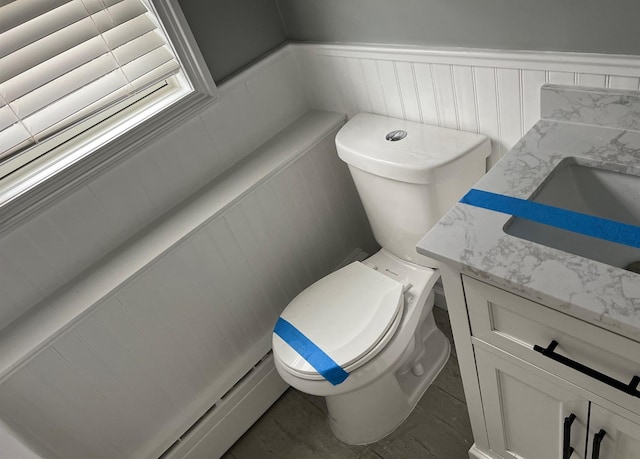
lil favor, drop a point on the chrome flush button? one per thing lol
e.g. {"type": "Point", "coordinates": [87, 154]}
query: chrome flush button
{"type": "Point", "coordinates": [394, 136]}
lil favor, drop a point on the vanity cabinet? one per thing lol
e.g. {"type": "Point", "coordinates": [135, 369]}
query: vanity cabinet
{"type": "Point", "coordinates": [526, 410]}
{"type": "Point", "coordinates": [546, 325]}
{"type": "Point", "coordinates": [622, 437]}
{"type": "Point", "coordinates": [551, 386]}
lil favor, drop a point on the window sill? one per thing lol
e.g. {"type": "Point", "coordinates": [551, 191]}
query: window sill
{"type": "Point", "coordinates": [40, 184]}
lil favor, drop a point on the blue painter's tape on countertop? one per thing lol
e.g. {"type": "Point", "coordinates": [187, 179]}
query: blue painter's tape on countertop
{"type": "Point", "coordinates": [576, 222]}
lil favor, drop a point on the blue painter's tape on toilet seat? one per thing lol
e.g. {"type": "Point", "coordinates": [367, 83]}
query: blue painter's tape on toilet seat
{"type": "Point", "coordinates": [316, 357]}
{"type": "Point", "coordinates": [569, 220]}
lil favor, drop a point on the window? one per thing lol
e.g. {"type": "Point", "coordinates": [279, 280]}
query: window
{"type": "Point", "coordinates": [83, 83]}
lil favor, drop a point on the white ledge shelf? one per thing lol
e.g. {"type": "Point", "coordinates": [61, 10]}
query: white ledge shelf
{"type": "Point", "coordinates": [41, 325]}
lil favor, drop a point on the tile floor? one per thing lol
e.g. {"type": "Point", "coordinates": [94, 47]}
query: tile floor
{"type": "Point", "coordinates": [296, 427]}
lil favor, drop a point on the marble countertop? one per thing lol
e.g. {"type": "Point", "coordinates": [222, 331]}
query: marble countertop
{"type": "Point", "coordinates": [597, 125]}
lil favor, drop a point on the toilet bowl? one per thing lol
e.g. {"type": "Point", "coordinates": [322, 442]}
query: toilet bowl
{"type": "Point", "coordinates": [385, 381]}
{"type": "Point", "coordinates": [364, 336]}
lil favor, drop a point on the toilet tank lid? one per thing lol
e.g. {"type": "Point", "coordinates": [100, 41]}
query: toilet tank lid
{"type": "Point", "coordinates": [345, 314]}
{"type": "Point", "coordinates": [362, 143]}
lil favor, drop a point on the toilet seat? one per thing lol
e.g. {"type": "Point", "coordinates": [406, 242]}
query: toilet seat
{"type": "Point", "coordinates": [350, 315]}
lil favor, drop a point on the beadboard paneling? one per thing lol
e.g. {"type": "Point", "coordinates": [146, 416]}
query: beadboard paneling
{"type": "Point", "coordinates": [58, 244]}
{"type": "Point", "coordinates": [135, 373]}
{"type": "Point", "coordinates": [491, 92]}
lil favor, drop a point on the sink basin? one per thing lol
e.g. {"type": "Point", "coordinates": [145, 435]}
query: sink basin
{"type": "Point", "coordinates": [596, 190]}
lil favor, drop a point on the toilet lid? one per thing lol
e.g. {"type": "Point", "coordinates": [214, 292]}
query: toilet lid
{"type": "Point", "coordinates": [346, 314]}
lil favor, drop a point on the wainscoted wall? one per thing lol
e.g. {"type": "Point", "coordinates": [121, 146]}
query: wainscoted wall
{"type": "Point", "coordinates": [494, 93]}
{"type": "Point", "coordinates": [78, 390]}
{"type": "Point", "coordinates": [59, 244]}
{"type": "Point", "coordinates": [134, 375]}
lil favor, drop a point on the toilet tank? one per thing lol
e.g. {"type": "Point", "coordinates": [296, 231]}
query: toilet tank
{"type": "Point", "coordinates": [406, 185]}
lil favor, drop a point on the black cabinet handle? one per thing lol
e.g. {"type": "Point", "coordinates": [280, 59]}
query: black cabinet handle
{"type": "Point", "coordinates": [597, 439]}
{"type": "Point", "coordinates": [567, 450]}
{"type": "Point", "coordinates": [631, 388]}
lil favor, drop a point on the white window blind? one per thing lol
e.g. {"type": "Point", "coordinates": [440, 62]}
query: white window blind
{"type": "Point", "coordinates": [63, 60]}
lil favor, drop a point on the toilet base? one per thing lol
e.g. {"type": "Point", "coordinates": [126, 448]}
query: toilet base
{"type": "Point", "coordinates": [370, 413]}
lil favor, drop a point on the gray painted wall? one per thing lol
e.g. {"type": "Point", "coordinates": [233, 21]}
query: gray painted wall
{"type": "Point", "coordinates": [594, 26]}
{"type": "Point", "coordinates": [233, 33]}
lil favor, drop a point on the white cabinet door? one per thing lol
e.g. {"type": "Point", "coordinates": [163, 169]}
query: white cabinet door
{"type": "Point", "coordinates": [525, 409]}
{"type": "Point", "coordinates": [621, 439]}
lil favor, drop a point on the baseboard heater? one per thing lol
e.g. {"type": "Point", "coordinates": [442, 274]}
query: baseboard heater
{"type": "Point", "coordinates": [226, 421]}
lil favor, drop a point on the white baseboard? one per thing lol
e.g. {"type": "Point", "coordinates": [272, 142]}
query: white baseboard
{"type": "Point", "coordinates": [475, 453]}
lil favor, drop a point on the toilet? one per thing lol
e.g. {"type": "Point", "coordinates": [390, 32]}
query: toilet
{"type": "Point", "coordinates": [364, 336]}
